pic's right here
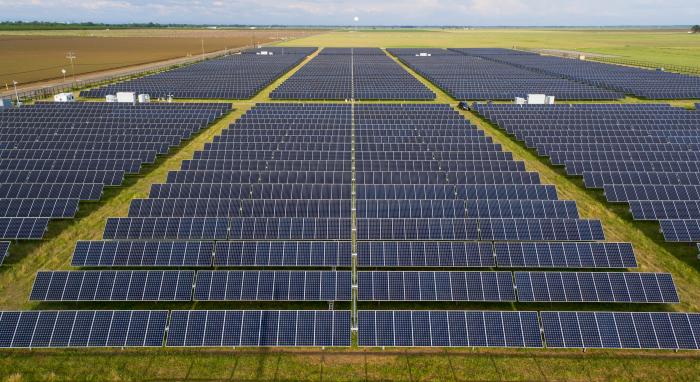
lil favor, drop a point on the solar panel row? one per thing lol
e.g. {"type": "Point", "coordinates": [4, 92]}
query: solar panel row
{"type": "Point", "coordinates": [338, 254]}
{"type": "Point", "coordinates": [219, 328]}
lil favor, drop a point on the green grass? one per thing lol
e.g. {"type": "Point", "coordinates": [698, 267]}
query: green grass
{"type": "Point", "coordinates": [670, 47]}
{"type": "Point", "coordinates": [416, 364]}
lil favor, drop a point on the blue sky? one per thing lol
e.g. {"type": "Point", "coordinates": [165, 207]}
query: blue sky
{"type": "Point", "coordinates": [369, 12]}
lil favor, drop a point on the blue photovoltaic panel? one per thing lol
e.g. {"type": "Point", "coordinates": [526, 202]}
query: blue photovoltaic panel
{"type": "Point", "coordinates": [564, 255]}
{"type": "Point", "coordinates": [236, 328]}
{"type": "Point", "coordinates": [521, 209]}
{"type": "Point", "coordinates": [621, 330]}
{"type": "Point", "coordinates": [448, 329]}
{"type": "Point", "coordinates": [290, 229]}
{"type": "Point", "coordinates": [113, 286]}
{"type": "Point", "coordinates": [425, 254]}
{"type": "Point", "coordinates": [283, 253]}
{"type": "Point", "coordinates": [473, 192]}
{"type": "Point", "coordinates": [666, 209]}
{"type": "Point", "coordinates": [626, 287]}
{"type": "Point", "coordinates": [4, 247]}
{"type": "Point", "coordinates": [273, 286]}
{"type": "Point", "coordinates": [39, 208]}
{"type": "Point", "coordinates": [85, 328]}
{"type": "Point", "coordinates": [681, 230]}
{"type": "Point", "coordinates": [540, 229]}
{"type": "Point", "coordinates": [435, 286]}
{"type": "Point", "coordinates": [166, 228]}
{"type": "Point", "coordinates": [143, 254]}
{"type": "Point", "coordinates": [23, 228]}
{"type": "Point", "coordinates": [82, 191]}
{"type": "Point", "coordinates": [239, 208]}
{"type": "Point", "coordinates": [417, 229]}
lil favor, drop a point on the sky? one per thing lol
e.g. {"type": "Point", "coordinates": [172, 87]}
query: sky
{"type": "Point", "coordinates": [368, 12]}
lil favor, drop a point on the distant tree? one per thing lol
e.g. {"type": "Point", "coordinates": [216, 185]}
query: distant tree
{"type": "Point", "coordinates": [695, 29]}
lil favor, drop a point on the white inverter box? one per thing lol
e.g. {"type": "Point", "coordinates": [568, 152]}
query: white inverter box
{"type": "Point", "coordinates": [64, 97]}
{"type": "Point", "coordinates": [535, 99]}
{"type": "Point", "coordinates": [129, 97]}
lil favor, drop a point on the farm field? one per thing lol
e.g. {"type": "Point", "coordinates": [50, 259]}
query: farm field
{"type": "Point", "coordinates": [366, 364]}
{"type": "Point", "coordinates": [37, 56]}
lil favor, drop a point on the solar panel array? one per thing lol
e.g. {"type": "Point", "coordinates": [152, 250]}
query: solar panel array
{"type": "Point", "coordinates": [466, 76]}
{"type": "Point", "coordinates": [644, 155]}
{"type": "Point", "coordinates": [352, 73]}
{"type": "Point", "coordinates": [237, 76]}
{"type": "Point", "coordinates": [647, 83]}
{"type": "Point", "coordinates": [450, 199]}
{"type": "Point", "coordinates": [55, 155]}
{"type": "Point", "coordinates": [263, 219]}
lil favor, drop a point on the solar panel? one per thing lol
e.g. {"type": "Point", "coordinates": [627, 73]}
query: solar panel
{"type": "Point", "coordinates": [448, 329]}
{"type": "Point", "coordinates": [521, 209]}
{"type": "Point", "coordinates": [143, 254]}
{"type": "Point", "coordinates": [417, 229]}
{"type": "Point", "coordinates": [4, 248]}
{"type": "Point", "coordinates": [283, 253]}
{"type": "Point", "coordinates": [595, 287]}
{"type": "Point", "coordinates": [564, 255]}
{"type": "Point", "coordinates": [273, 286]}
{"type": "Point", "coordinates": [113, 286]}
{"type": "Point", "coordinates": [540, 229]}
{"type": "Point", "coordinates": [668, 209]}
{"type": "Point", "coordinates": [474, 191]}
{"type": "Point", "coordinates": [680, 230]}
{"type": "Point", "coordinates": [166, 228]}
{"type": "Point", "coordinates": [23, 228]}
{"type": "Point", "coordinates": [425, 254]}
{"type": "Point", "coordinates": [234, 328]}
{"type": "Point", "coordinates": [290, 228]}
{"type": "Point", "coordinates": [82, 191]}
{"type": "Point", "coordinates": [40, 208]}
{"type": "Point", "coordinates": [435, 286]}
{"type": "Point", "coordinates": [621, 330]}
{"type": "Point", "coordinates": [85, 328]}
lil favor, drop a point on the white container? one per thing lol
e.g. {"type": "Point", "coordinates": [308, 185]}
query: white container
{"type": "Point", "coordinates": [111, 98]}
{"type": "Point", "coordinates": [423, 54]}
{"type": "Point", "coordinates": [549, 100]}
{"type": "Point", "coordinates": [64, 97]}
{"type": "Point", "coordinates": [535, 99]}
{"type": "Point", "coordinates": [520, 101]}
{"type": "Point", "coordinates": [128, 97]}
{"type": "Point", "coordinates": [144, 98]}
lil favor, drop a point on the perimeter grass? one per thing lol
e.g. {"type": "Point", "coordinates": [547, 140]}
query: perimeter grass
{"type": "Point", "coordinates": [670, 47]}
{"type": "Point", "coordinates": [368, 364]}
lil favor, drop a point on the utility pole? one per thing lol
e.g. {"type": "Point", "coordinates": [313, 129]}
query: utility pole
{"type": "Point", "coordinates": [71, 56]}
{"type": "Point", "coordinates": [14, 83]}
{"type": "Point", "coordinates": [202, 47]}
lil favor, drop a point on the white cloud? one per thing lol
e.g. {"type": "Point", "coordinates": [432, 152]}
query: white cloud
{"type": "Point", "coordinates": [371, 12]}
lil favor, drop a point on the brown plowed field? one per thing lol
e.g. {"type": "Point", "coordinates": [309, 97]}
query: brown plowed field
{"type": "Point", "coordinates": [32, 57]}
